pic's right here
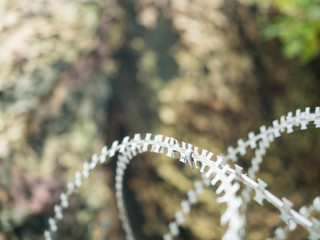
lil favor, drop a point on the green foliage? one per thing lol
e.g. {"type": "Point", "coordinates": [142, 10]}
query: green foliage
{"type": "Point", "coordinates": [298, 28]}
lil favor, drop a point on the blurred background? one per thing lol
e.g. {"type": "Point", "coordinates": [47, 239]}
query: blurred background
{"type": "Point", "coordinates": [78, 74]}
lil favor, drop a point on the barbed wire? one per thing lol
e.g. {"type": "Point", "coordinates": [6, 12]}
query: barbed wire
{"type": "Point", "coordinates": [213, 170]}
{"type": "Point", "coordinates": [260, 143]}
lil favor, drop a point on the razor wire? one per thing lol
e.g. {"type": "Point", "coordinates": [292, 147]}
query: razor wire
{"type": "Point", "coordinates": [260, 143]}
{"type": "Point", "coordinates": [218, 169]}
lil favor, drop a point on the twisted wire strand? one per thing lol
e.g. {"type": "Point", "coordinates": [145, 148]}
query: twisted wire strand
{"type": "Point", "coordinates": [172, 145]}
{"type": "Point", "coordinates": [281, 232]}
{"type": "Point", "coordinates": [122, 163]}
{"type": "Point", "coordinates": [285, 123]}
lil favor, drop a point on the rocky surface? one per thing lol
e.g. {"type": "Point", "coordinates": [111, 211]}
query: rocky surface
{"type": "Point", "coordinates": [76, 76]}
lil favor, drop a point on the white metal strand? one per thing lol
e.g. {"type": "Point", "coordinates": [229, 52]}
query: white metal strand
{"type": "Point", "coordinates": [186, 151]}
{"type": "Point", "coordinates": [264, 142]}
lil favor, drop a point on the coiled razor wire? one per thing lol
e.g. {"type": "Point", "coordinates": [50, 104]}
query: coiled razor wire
{"type": "Point", "coordinates": [213, 171]}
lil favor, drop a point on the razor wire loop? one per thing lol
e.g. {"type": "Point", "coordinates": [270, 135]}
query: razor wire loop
{"type": "Point", "coordinates": [301, 119]}
{"type": "Point", "coordinates": [158, 145]}
{"type": "Point", "coordinates": [287, 123]}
